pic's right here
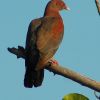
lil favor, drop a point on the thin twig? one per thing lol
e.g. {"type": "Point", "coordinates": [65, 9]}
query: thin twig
{"type": "Point", "coordinates": [98, 5]}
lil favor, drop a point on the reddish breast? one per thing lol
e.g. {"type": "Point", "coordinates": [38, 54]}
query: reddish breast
{"type": "Point", "coordinates": [58, 29]}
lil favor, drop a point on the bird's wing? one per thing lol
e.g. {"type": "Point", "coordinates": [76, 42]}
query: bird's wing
{"type": "Point", "coordinates": [31, 34]}
{"type": "Point", "coordinates": [32, 54]}
{"type": "Point", "coordinates": [32, 77]}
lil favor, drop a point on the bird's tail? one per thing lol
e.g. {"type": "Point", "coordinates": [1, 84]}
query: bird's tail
{"type": "Point", "coordinates": [32, 76]}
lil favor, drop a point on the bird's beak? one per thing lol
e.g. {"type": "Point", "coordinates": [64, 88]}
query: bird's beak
{"type": "Point", "coordinates": [66, 8]}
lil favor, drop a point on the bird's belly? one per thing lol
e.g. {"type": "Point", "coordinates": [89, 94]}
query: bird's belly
{"type": "Point", "coordinates": [49, 44]}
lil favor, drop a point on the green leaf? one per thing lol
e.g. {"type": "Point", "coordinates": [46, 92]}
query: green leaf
{"type": "Point", "coordinates": [75, 96]}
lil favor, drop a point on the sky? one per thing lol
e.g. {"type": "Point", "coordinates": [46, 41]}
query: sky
{"type": "Point", "coordinates": [79, 51]}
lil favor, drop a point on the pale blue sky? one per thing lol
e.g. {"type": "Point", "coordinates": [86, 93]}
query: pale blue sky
{"type": "Point", "coordinates": [80, 49]}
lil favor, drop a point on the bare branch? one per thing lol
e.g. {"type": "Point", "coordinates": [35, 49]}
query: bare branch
{"type": "Point", "coordinates": [57, 69]}
{"type": "Point", "coordinates": [98, 5]}
{"type": "Point", "coordinates": [85, 81]}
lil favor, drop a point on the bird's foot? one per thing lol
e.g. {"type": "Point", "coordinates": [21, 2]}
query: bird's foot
{"type": "Point", "coordinates": [53, 61]}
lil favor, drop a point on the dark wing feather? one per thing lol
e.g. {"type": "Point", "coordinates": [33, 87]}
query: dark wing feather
{"type": "Point", "coordinates": [32, 77]}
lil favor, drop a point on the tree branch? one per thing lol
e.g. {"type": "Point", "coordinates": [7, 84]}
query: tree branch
{"type": "Point", "coordinates": [98, 5]}
{"type": "Point", "coordinates": [57, 69]}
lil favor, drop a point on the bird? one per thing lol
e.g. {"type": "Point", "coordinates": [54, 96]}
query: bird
{"type": "Point", "coordinates": [43, 38]}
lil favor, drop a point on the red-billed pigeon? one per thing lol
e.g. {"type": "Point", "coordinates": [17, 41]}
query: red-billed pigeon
{"type": "Point", "coordinates": [43, 39]}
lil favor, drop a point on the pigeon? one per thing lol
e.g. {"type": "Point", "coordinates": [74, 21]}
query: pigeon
{"type": "Point", "coordinates": [43, 39]}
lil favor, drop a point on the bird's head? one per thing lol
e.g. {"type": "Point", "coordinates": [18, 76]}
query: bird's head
{"type": "Point", "coordinates": [58, 5]}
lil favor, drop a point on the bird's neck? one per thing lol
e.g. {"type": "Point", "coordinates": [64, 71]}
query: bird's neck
{"type": "Point", "coordinates": [52, 12]}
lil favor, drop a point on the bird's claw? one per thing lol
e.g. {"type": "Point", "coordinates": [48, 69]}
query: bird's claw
{"type": "Point", "coordinates": [53, 62]}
